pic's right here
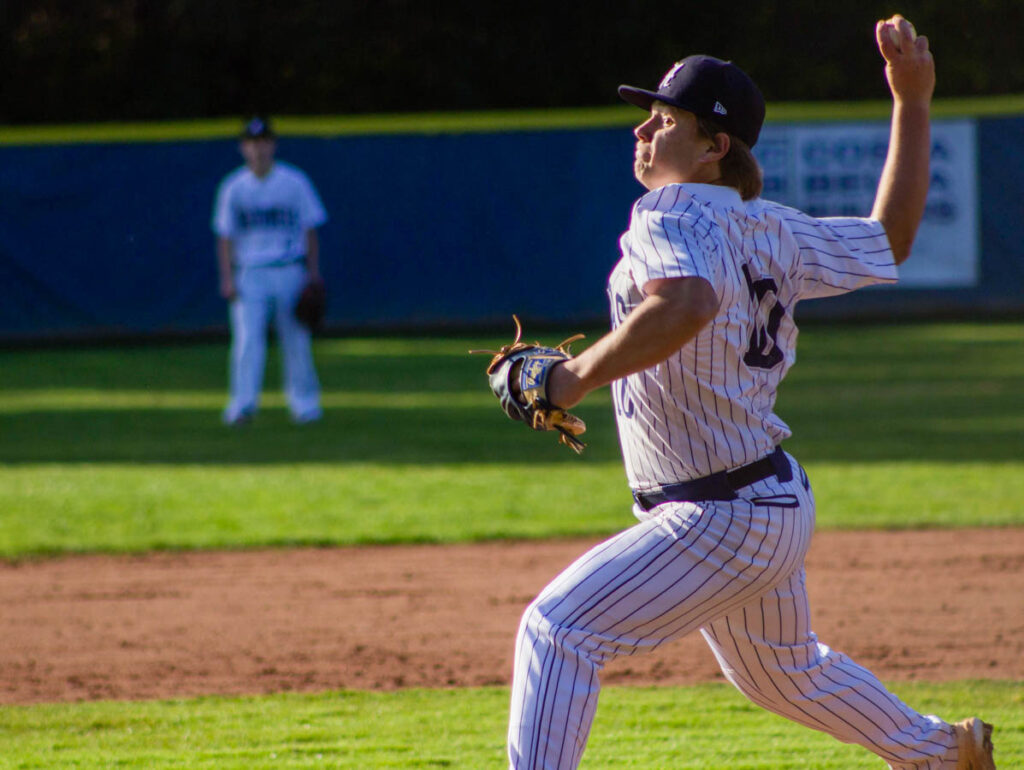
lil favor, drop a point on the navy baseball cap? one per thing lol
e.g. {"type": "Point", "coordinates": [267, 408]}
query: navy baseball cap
{"type": "Point", "coordinates": [709, 88]}
{"type": "Point", "coordinates": [258, 128]}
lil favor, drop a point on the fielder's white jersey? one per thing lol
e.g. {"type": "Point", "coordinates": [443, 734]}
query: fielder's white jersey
{"type": "Point", "coordinates": [267, 219]}
{"type": "Point", "coordinates": [709, 407]}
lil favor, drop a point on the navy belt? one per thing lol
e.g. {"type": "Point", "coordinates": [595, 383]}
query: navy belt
{"type": "Point", "coordinates": [718, 486]}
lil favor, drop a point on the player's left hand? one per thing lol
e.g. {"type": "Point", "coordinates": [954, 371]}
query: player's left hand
{"type": "Point", "coordinates": [227, 289]}
{"type": "Point", "coordinates": [909, 66]}
{"type": "Point", "coordinates": [518, 376]}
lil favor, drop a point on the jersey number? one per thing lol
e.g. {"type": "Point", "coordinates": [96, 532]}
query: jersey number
{"type": "Point", "coordinates": [763, 351]}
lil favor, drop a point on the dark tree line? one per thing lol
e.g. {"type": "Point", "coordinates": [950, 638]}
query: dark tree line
{"type": "Point", "coordinates": [96, 60]}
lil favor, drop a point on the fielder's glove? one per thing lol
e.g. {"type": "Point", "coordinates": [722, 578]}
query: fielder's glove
{"type": "Point", "coordinates": [518, 375]}
{"type": "Point", "coordinates": [312, 304]}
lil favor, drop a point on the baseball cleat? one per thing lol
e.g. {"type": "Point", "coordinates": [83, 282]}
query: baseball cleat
{"type": "Point", "coordinates": [239, 420]}
{"type": "Point", "coordinates": [308, 417]}
{"type": "Point", "coordinates": [974, 741]}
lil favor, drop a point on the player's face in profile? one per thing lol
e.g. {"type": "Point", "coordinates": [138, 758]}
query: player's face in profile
{"type": "Point", "coordinates": [259, 154]}
{"type": "Point", "coordinates": [669, 148]}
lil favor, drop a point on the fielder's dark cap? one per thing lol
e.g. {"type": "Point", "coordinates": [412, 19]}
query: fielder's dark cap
{"type": "Point", "coordinates": [258, 128]}
{"type": "Point", "coordinates": [709, 88]}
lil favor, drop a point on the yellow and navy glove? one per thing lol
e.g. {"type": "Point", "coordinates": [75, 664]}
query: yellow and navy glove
{"type": "Point", "coordinates": [518, 376]}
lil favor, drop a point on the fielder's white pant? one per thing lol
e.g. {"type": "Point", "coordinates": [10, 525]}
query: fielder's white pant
{"type": "Point", "coordinates": [265, 294]}
{"type": "Point", "coordinates": [734, 570]}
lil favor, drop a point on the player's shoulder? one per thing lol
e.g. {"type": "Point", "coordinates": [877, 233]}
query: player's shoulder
{"type": "Point", "coordinates": [236, 176]}
{"type": "Point", "coordinates": [692, 200]}
{"type": "Point", "coordinates": [802, 224]}
{"type": "Point", "coordinates": [671, 202]}
{"type": "Point", "coordinates": [234, 180]}
{"type": "Point", "coordinates": [290, 172]}
{"type": "Point", "coordinates": [762, 207]}
{"type": "Point", "coordinates": [684, 211]}
{"type": "Point", "coordinates": [668, 199]}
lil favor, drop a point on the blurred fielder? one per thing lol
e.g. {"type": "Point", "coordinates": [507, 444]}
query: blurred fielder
{"type": "Point", "coordinates": [265, 218]}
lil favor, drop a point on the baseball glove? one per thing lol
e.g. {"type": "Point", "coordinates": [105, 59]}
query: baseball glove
{"type": "Point", "coordinates": [518, 376]}
{"type": "Point", "coordinates": [312, 304]}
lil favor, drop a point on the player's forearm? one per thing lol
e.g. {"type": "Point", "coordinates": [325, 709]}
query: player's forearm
{"type": "Point", "coordinates": [903, 187]}
{"type": "Point", "coordinates": [312, 253]}
{"type": "Point", "coordinates": [225, 266]}
{"type": "Point", "coordinates": [663, 323]}
{"type": "Point", "coordinates": [225, 258]}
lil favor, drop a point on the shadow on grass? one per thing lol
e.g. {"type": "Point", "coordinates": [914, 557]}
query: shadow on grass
{"type": "Point", "coordinates": [427, 436]}
{"type": "Point", "coordinates": [919, 393]}
{"type": "Point", "coordinates": [901, 427]}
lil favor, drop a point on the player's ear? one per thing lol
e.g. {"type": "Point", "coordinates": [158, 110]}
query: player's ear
{"type": "Point", "coordinates": [720, 146]}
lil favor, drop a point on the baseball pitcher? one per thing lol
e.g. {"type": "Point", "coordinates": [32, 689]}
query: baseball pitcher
{"type": "Point", "coordinates": [702, 336]}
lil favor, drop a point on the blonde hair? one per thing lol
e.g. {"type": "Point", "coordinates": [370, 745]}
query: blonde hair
{"type": "Point", "coordinates": [739, 167]}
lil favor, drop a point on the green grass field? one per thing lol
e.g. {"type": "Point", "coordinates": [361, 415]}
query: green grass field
{"type": "Point", "coordinates": [709, 727]}
{"type": "Point", "coordinates": [121, 449]}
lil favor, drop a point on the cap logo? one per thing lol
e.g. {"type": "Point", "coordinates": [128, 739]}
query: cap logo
{"type": "Point", "coordinates": [719, 109]}
{"type": "Point", "coordinates": [670, 75]}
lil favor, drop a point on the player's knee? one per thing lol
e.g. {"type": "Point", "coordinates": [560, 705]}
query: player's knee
{"type": "Point", "coordinates": [533, 622]}
{"type": "Point", "coordinates": [542, 626]}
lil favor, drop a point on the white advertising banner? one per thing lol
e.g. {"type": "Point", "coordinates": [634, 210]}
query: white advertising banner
{"type": "Point", "coordinates": [833, 170]}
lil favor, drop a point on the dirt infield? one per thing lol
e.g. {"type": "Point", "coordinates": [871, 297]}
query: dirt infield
{"type": "Point", "coordinates": [935, 605]}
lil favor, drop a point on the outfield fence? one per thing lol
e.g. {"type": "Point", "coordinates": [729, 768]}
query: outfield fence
{"type": "Point", "coordinates": [104, 231]}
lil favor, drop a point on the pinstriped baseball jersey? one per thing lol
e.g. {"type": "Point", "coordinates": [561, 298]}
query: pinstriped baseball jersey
{"type": "Point", "coordinates": [710, 406]}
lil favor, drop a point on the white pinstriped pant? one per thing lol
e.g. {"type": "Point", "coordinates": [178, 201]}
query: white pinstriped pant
{"type": "Point", "coordinates": [734, 570]}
